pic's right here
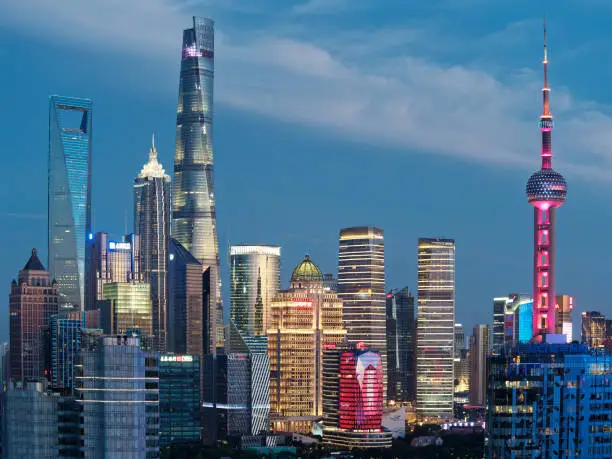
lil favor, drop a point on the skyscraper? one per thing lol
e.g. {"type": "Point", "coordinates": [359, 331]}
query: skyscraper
{"type": "Point", "coordinates": [546, 190]}
{"type": "Point", "coordinates": [110, 261]}
{"type": "Point", "coordinates": [152, 224]}
{"type": "Point", "coordinates": [594, 327]}
{"type": "Point", "coordinates": [361, 287]}
{"type": "Point", "coordinates": [400, 345]}
{"type": "Point", "coordinates": [127, 307]}
{"type": "Point", "coordinates": [500, 306]}
{"type": "Point", "coordinates": [353, 398]}
{"type": "Point", "coordinates": [65, 330]}
{"type": "Point", "coordinates": [461, 364]}
{"type": "Point", "coordinates": [565, 307]}
{"type": "Point", "coordinates": [69, 194]}
{"type": "Point", "coordinates": [254, 281]}
{"type": "Point", "coordinates": [32, 301]}
{"type": "Point", "coordinates": [304, 320]}
{"type": "Point", "coordinates": [193, 199]}
{"type": "Point", "coordinates": [479, 354]}
{"type": "Point", "coordinates": [117, 386]}
{"type": "Point", "coordinates": [435, 328]}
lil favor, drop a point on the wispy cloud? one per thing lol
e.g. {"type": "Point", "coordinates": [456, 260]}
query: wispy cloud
{"type": "Point", "coordinates": [398, 99]}
{"type": "Point", "coordinates": [20, 215]}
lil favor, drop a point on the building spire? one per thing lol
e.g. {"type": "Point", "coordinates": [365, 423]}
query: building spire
{"type": "Point", "coordinates": [545, 89]}
{"type": "Point", "coordinates": [153, 150]}
{"type": "Point", "coordinates": [153, 168]}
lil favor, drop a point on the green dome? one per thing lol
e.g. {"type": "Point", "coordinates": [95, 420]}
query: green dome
{"type": "Point", "coordinates": [306, 271]}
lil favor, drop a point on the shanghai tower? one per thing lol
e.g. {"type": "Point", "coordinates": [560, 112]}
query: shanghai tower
{"type": "Point", "coordinates": [546, 190]}
{"type": "Point", "coordinates": [194, 222]}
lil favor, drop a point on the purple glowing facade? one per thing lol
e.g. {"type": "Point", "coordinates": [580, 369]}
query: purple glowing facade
{"type": "Point", "coordinates": [546, 190]}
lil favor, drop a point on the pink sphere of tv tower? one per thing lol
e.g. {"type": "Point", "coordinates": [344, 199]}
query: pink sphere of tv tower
{"type": "Point", "coordinates": [546, 191]}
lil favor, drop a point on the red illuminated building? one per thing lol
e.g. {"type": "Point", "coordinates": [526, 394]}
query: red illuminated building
{"type": "Point", "coordinates": [546, 191]}
{"type": "Point", "coordinates": [353, 384]}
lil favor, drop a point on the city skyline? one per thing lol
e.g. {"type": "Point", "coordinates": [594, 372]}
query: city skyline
{"type": "Point", "coordinates": [401, 252]}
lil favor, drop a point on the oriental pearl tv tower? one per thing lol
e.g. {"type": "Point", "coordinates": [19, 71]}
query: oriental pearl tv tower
{"type": "Point", "coordinates": [546, 191]}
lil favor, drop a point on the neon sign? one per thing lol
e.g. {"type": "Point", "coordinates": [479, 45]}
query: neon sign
{"type": "Point", "coordinates": [176, 358]}
{"type": "Point", "coordinates": [119, 245]}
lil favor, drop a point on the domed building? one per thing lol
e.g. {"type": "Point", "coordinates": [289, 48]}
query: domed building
{"type": "Point", "coordinates": [302, 321]}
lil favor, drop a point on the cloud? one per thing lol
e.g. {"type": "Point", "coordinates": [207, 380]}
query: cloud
{"type": "Point", "coordinates": [20, 215]}
{"type": "Point", "coordinates": [330, 6]}
{"type": "Point", "coordinates": [394, 99]}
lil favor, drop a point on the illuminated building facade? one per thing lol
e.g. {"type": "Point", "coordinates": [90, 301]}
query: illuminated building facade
{"type": "Point", "coordinates": [152, 213]}
{"type": "Point", "coordinates": [546, 191]}
{"type": "Point", "coordinates": [500, 306]}
{"type": "Point", "coordinates": [33, 299]}
{"type": "Point", "coordinates": [461, 364]}
{"type": "Point", "coordinates": [565, 307]}
{"type": "Point", "coordinates": [194, 221]}
{"type": "Point", "coordinates": [479, 354]}
{"type": "Point", "coordinates": [127, 306]}
{"type": "Point", "coordinates": [186, 312]}
{"type": "Point", "coordinates": [65, 344]}
{"type": "Point", "coordinates": [179, 399]}
{"type": "Point", "coordinates": [117, 386]}
{"type": "Point", "coordinates": [254, 281]}
{"type": "Point", "coordinates": [400, 345]}
{"type": "Point", "coordinates": [594, 329]}
{"type": "Point", "coordinates": [353, 398]}
{"type": "Point", "coordinates": [110, 261]}
{"type": "Point", "coordinates": [304, 320]}
{"type": "Point", "coordinates": [361, 287]}
{"type": "Point", "coordinates": [69, 195]}
{"type": "Point", "coordinates": [435, 329]}
{"type": "Point", "coordinates": [512, 321]}
{"type": "Point", "coordinates": [547, 400]}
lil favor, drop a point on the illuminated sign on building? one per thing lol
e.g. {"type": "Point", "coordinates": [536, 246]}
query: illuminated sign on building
{"type": "Point", "coordinates": [112, 245]}
{"type": "Point", "coordinates": [176, 358]}
{"type": "Point", "coordinates": [301, 304]}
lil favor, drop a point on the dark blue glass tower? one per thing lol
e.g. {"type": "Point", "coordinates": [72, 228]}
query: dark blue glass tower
{"type": "Point", "coordinates": [69, 207]}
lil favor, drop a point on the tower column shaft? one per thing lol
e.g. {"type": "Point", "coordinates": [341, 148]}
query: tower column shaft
{"type": "Point", "coordinates": [544, 271]}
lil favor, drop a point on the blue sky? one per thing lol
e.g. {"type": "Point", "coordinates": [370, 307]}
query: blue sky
{"type": "Point", "coordinates": [421, 120]}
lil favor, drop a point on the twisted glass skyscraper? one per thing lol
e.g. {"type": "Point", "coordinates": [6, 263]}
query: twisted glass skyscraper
{"type": "Point", "coordinates": [69, 194]}
{"type": "Point", "coordinates": [193, 200]}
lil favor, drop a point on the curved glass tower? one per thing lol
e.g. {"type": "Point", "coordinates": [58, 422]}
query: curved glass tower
{"type": "Point", "coordinates": [255, 280]}
{"type": "Point", "coordinates": [69, 195]}
{"type": "Point", "coordinates": [193, 203]}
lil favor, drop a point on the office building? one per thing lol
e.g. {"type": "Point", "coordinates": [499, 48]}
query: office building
{"type": "Point", "coordinates": [237, 398]}
{"type": "Point", "coordinates": [461, 364]}
{"type": "Point", "coordinates": [400, 346]}
{"type": "Point", "coordinates": [110, 261]}
{"type": "Point", "coordinates": [254, 281]}
{"type": "Point", "coordinates": [152, 214]}
{"type": "Point", "coordinates": [548, 401]}
{"type": "Point", "coordinates": [65, 340]}
{"type": "Point", "coordinates": [512, 321]}
{"type": "Point", "coordinates": [4, 364]}
{"type": "Point", "coordinates": [361, 287]}
{"type": "Point", "coordinates": [194, 221]}
{"type": "Point", "coordinates": [330, 282]}
{"type": "Point", "coordinates": [179, 399]}
{"type": "Point", "coordinates": [353, 398]}
{"type": "Point", "coordinates": [69, 218]}
{"type": "Point", "coordinates": [565, 307]}
{"type": "Point", "coordinates": [126, 306]}
{"type": "Point", "coordinates": [594, 327]}
{"type": "Point", "coordinates": [304, 320]}
{"type": "Point", "coordinates": [546, 191]}
{"type": "Point", "coordinates": [186, 314]}
{"type": "Point", "coordinates": [479, 355]}
{"type": "Point", "coordinates": [38, 422]}
{"type": "Point", "coordinates": [117, 386]}
{"type": "Point", "coordinates": [33, 299]}
{"type": "Point", "coordinates": [500, 306]}
{"type": "Point", "coordinates": [435, 330]}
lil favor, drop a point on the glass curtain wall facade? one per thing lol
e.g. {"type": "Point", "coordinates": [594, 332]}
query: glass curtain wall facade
{"type": "Point", "coordinates": [565, 307]}
{"type": "Point", "coordinates": [152, 207]}
{"type": "Point", "coordinates": [128, 307]}
{"type": "Point", "coordinates": [69, 209]}
{"type": "Point", "coordinates": [479, 354]}
{"type": "Point", "coordinates": [179, 399]}
{"type": "Point", "coordinates": [361, 287]}
{"type": "Point", "coordinates": [65, 344]}
{"type": "Point", "coordinates": [117, 385]}
{"type": "Point", "coordinates": [255, 280]}
{"type": "Point", "coordinates": [435, 329]}
{"type": "Point", "coordinates": [594, 327]}
{"type": "Point", "coordinates": [194, 222]}
{"type": "Point", "coordinates": [400, 345]}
